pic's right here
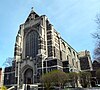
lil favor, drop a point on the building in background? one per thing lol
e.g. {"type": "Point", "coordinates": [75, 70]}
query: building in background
{"type": "Point", "coordinates": [9, 76]}
{"type": "Point", "coordinates": [1, 74]}
{"type": "Point", "coordinates": [85, 61]}
{"type": "Point", "coordinates": [96, 66]}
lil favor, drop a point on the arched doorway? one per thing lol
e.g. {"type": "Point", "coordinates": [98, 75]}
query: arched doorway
{"type": "Point", "coordinates": [28, 76]}
{"type": "Point", "coordinates": [93, 83]}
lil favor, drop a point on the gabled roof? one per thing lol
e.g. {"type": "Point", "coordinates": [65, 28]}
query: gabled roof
{"type": "Point", "coordinates": [32, 16]}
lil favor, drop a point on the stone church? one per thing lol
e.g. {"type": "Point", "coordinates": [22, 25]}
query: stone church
{"type": "Point", "coordinates": [39, 48]}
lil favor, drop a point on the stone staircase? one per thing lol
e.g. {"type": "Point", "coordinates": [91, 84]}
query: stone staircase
{"type": "Point", "coordinates": [11, 88]}
{"type": "Point", "coordinates": [25, 87]}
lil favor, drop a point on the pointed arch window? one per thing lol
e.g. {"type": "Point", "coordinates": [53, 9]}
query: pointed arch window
{"type": "Point", "coordinates": [31, 44]}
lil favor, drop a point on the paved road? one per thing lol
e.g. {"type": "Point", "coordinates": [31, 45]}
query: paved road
{"type": "Point", "coordinates": [96, 88]}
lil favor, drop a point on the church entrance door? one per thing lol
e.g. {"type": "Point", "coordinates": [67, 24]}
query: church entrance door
{"type": "Point", "coordinates": [28, 76]}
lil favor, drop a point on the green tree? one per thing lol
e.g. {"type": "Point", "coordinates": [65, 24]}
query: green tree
{"type": "Point", "coordinates": [98, 74]}
{"type": "Point", "coordinates": [73, 78]}
{"type": "Point", "coordinates": [85, 79]}
{"type": "Point", "coordinates": [59, 78]}
{"type": "Point", "coordinates": [54, 78]}
{"type": "Point", "coordinates": [3, 88]}
{"type": "Point", "coordinates": [46, 80]}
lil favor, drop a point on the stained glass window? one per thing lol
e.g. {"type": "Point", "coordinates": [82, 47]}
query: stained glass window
{"type": "Point", "coordinates": [31, 48]}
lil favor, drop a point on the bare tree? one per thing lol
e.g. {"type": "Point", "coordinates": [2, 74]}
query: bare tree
{"type": "Point", "coordinates": [96, 36]}
{"type": "Point", "coordinates": [8, 62]}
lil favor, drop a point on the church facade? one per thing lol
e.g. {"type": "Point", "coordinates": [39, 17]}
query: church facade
{"type": "Point", "coordinates": [39, 49]}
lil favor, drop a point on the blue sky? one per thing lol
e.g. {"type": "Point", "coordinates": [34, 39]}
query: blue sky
{"type": "Point", "coordinates": [73, 19]}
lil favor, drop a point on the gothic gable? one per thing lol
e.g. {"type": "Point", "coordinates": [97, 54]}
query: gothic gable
{"type": "Point", "coordinates": [33, 15]}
